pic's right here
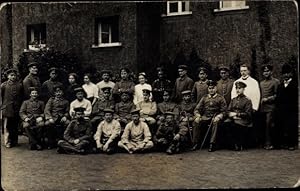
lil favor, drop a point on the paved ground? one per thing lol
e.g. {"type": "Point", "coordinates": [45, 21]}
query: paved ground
{"type": "Point", "coordinates": [45, 170]}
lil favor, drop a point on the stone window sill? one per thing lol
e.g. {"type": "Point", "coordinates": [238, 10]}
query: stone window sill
{"type": "Point", "coordinates": [176, 14]}
{"type": "Point", "coordinates": [114, 44]}
{"type": "Point", "coordinates": [231, 9]}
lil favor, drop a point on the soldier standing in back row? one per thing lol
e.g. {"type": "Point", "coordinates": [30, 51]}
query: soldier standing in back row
{"type": "Point", "coordinates": [11, 95]}
{"type": "Point", "coordinates": [224, 85]}
{"type": "Point", "coordinates": [31, 80]}
{"type": "Point", "coordinates": [182, 83]}
{"type": "Point", "coordinates": [48, 85]}
{"type": "Point", "coordinates": [160, 85]}
{"type": "Point", "coordinates": [200, 87]}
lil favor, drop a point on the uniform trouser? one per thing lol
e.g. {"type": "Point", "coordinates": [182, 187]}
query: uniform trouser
{"type": "Point", "coordinates": [10, 127]}
{"type": "Point", "coordinates": [170, 144]}
{"type": "Point", "coordinates": [34, 134]}
{"type": "Point", "coordinates": [135, 145]}
{"type": "Point", "coordinates": [71, 147]}
{"type": "Point", "coordinates": [200, 129]}
{"type": "Point", "coordinates": [239, 134]}
{"type": "Point", "coordinates": [55, 131]}
{"type": "Point", "coordinates": [269, 127]}
{"type": "Point", "coordinates": [289, 131]}
{"type": "Point", "coordinates": [112, 147]}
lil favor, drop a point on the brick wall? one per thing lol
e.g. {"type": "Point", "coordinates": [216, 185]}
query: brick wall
{"type": "Point", "coordinates": [5, 34]}
{"type": "Point", "coordinates": [265, 31]}
{"type": "Point", "coordinates": [70, 27]}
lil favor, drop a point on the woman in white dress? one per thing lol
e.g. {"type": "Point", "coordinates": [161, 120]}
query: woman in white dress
{"type": "Point", "coordinates": [138, 89]}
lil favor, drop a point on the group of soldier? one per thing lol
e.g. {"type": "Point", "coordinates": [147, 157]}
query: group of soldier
{"type": "Point", "coordinates": [115, 116]}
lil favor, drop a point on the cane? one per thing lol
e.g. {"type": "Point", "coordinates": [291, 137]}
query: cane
{"type": "Point", "coordinates": [209, 127]}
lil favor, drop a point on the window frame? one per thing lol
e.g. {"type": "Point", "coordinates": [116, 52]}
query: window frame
{"type": "Point", "coordinates": [111, 21]}
{"type": "Point", "coordinates": [233, 8]}
{"type": "Point", "coordinates": [31, 29]}
{"type": "Point", "coordinates": [179, 8]}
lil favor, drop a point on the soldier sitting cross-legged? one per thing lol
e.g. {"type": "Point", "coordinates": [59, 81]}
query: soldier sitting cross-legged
{"type": "Point", "coordinates": [78, 135]}
{"type": "Point", "coordinates": [108, 132]}
{"type": "Point", "coordinates": [170, 136]}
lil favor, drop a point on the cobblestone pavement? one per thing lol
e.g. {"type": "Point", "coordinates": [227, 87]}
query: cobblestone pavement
{"type": "Point", "coordinates": [45, 170]}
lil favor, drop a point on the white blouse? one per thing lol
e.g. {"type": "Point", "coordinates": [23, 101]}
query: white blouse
{"type": "Point", "coordinates": [138, 92]}
{"type": "Point", "coordinates": [91, 90]}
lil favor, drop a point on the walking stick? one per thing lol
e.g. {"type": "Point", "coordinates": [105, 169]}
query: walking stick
{"type": "Point", "coordinates": [209, 127]}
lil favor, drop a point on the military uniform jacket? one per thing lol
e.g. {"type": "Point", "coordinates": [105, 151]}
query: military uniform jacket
{"type": "Point", "coordinates": [123, 86]}
{"type": "Point", "coordinates": [123, 109]}
{"type": "Point", "coordinates": [159, 86]}
{"type": "Point", "coordinates": [199, 90]}
{"type": "Point", "coordinates": [47, 89]}
{"type": "Point", "coordinates": [57, 108]}
{"type": "Point", "coordinates": [70, 93]}
{"type": "Point", "coordinates": [32, 108]}
{"type": "Point", "coordinates": [81, 130]}
{"type": "Point", "coordinates": [31, 81]}
{"type": "Point", "coordinates": [242, 105]}
{"type": "Point", "coordinates": [210, 106]}
{"type": "Point", "coordinates": [269, 90]}
{"type": "Point", "coordinates": [100, 105]}
{"type": "Point", "coordinates": [188, 108]}
{"type": "Point", "coordinates": [167, 107]}
{"type": "Point", "coordinates": [168, 131]}
{"type": "Point", "coordinates": [11, 94]}
{"type": "Point", "coordinates": [181, 85]}
{"type": "Point", "coordinates": [224, 88]}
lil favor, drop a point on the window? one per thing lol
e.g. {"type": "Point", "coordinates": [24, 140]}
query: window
{"type": "Point", "coordinates": [36, 36]}
{"type": "Point", "coordinates": [178, 8]}
{"type": "Point", "coordinates": [231, 5]}
{"type": "Point", "coordinates": [107, 32]}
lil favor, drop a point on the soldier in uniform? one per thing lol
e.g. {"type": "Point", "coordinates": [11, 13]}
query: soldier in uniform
{"type": "Point", "coordinates": [31, 80]}
{"type": "Point", "coordinates": [32, 115]}
{"type": "Point", "coordinates": [77, 136]}
{"type": "Point", "coordinates": [80, 101]}
{"type": "Point", "coordinates": [182, 83]}
{"type": "Point", "coordinates": [224, 85]}
{"type": "Point", "coordinates": [137, 135]}
{"type": "Point", "coordinates": [123, 85]}
{"type": "Point", "coordinates": [108, 132]}
{"type": "Point", "coordinates": [11, 95]}
{"type": "Point", "coordinates": [240, 114]}
{"type": "Point", "coordinates": [56, 116]}
{"type": "Point", "coordinates": [123, 109]}
{"type": "Point", "coordinates": [200, 87]}
{"type": "Point", "coordinates": [48, 85]}
{"type": "Point", "coordinates": [209, 113]}
{"type": "Point", "coordinates": [98, 109]}
{"type": "Point", "coordinates": [170, 135]}
{"type": "Point", "coordinates": [160, 85]}
{"type": "Point", "coordinates": [106, 82]}
{"type": "Point", "coordinates": [268, 88]}
{"type": "Point", "coordinates": [166, 106]}
{"type": "Point", "coordinates": [148, 110]}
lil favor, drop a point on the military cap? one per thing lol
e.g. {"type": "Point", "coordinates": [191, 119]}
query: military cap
{"type": "Point", "coordinates": [146, 90]}
{"type": "Point", "coordinates": [107, 110]}
{"type": "Point", "coordinates": [79, 109]}
{"type": "Point", "coordinates": [170, 113]}
{"type": "Point", "coordinates": [106, 72]}
{"type": "Point", "coordinates": [240, 84]}
{"type": "Point", "coordinates": [57, 87]}
{"type": "Point", "coordinates": [53, 69]}
{"type": "Point", "coordinates": [32, 64]}
{"type": "Point", "coordinates": [202, 69]}
{"type": "Point", "coordinates": [268, 67]}
{"type": "Point", "coordinates": [186, 92]}
{"type": "Point", "coordinates": [286, 68]}
{"type": "Point", "coordinates": [32, 89]}
{"type": "Point", "coordinates": [106, 89]}
{"type": "Point", "coordinates": [135, 111]}
{"type": "Point", "coordinates": [79, 89]}
{"type": "Point", "coordinates": [11, 70]}
{"type": "Point", "coordinates": [211, 83]}
{"type": "Point", "coordinates": [184, 67]}
{"type": "Point", "coordinates": [223, 67]}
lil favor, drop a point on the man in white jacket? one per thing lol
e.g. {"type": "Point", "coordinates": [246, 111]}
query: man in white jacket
{"type": "Point", "coordinates": [252, 90]}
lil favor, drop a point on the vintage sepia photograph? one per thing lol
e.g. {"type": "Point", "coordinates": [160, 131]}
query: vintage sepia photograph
{"type": "Point", "coordinates": [149, 95]}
